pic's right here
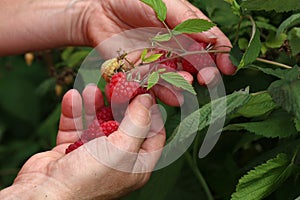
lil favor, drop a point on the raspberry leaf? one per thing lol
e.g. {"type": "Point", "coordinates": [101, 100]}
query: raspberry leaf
{"type": "Point", "coordinates": [279, 124]}
{"type": "Point", "coordinates": [162, 38]}
{"type": "Point", "coordinates": [203, 117]}
{"type": "Point", "coordinates": [258, 105]}
{"type": "Point", "coordinates": [264, 179]}
{"type": "Point", "coordinates": [294, 40]}
{"type": "Point", "coordinates": [152, 58]}
{"type": "Point", "coordinates": [152, 80]}
{"type": "Point", "coordinates": [193, 26]}
{"type": "Point", "coordinates": [159, 7]}
{"type": "Point", "coordinates": [143, 55]}
{"type": "Point", "coordinates": [252, 51]}
{"type": "Point", "coordinates": [178, 81]}
{"type": "Point", "coordinates": [289, 22]}
{"type": "Point", "coordinates": [285, 92]}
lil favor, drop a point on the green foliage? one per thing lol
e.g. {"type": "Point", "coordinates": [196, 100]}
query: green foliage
{"type": "Point", "coordinates": [264, 179]}
{"type": "Point", "coordinates": [285, 92]}
{"type": "Point", "coordinates": [252, 50]}
{"type": "Point", "coordinates": [193, 26]}
{"type": "Point", "coordinates": [258, 105]}
{"type": "Point", "coordinates": [278, 124]}
{"type": "Point", "coordinates": [152, 80]}
{"type": "Point", "coordinates": [268, 5]}
{"type": "Point", "coordinates": [294, 38]}
{"type": "Point", "coordinates": [159, 7]}
{"type": "Point", "coordinates": [178, 81]}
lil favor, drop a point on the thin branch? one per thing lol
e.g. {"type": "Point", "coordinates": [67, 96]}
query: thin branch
{"type": "Point", "coordinates": [274, 63]}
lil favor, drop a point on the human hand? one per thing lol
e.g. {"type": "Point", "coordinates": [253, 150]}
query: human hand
{"type": "Point", "coordinates": [93, 170]}
{"type": "Point", "coordinates": [119, 16]}
{"type": "Point", "coordinates": [89, 22]}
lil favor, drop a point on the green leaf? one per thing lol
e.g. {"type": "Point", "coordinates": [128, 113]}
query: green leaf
{"type": "Point", "coordinates": [294, 40]}
{"type": "Point", "coordinates": [275, 42]}
{"type": "Point", "coordinates": [76, 58]}
{"type": "Point", "coordinates": [162, 38]}
{"type": "Point", "coordinates": [286, 92]}
{"type": "Point", "coordinates": [279, 73]}
{"type": "Point", "coordinates": [269, 5]}
{"type": "Point", "coordinates": [178, 81]}
{"type": "Point", "coordinates": [152, 58]}
{"type": "Point", "coordinates": [66, 53]}
{"type": "Point", "coordinates": [252, 51]}
{"type": "Point", "coordinates": [152, 80]}
{"type": "Point", "coordinates": [193, 26]}
{"type": "Point", "coordinates": [258, 105]}
{"type": "Point", "coordinates": [236, 9]}
{"type": "Point", "coordinates": [264, 179]}
{"type": "Point", "coordinates": [200, 119]}
{"type": "Point", "coordinates": [159, 7]}
{"type": "Point", "coordinates": [144, 53]}
{"type": "Point", "coordinates": [289, 22]}
{"type": "Point", "coordinates": [278, 124]}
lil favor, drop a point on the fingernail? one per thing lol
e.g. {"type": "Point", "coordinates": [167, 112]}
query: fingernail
{"type": "Point", "coordinates": [210, 35]}
{"type": "Point", "coordinates": [146, 100]}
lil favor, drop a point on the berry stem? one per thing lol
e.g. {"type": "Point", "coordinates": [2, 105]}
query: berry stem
{"type": "Point", "coordinates": [173, 36]}
{"type": "Point", "coordinates": [273, 63]}
{"type": "Point", "coordinates": [199, 175]}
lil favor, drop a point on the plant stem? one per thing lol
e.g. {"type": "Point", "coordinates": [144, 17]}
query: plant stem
{"type": "Point", "coordinates": [274, 63]}
{"type": "Point", "coordinates": [236, 37]}
{"type": "Point", "coordinates": [173, 36]}
{"type": "Point", "coordinates": [199, 176]}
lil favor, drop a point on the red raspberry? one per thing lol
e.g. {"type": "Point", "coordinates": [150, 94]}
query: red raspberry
{"type": "Point", "coordinates": [172, 63]}
{"type": "Point", "coordinates": [94, 131]}
{"type": "Point", "coordinates": [121, 90]}
{"type": "Point", "coordinates": [109, 127]}
{"type": "Point", "coordinates": [104, 115]}
{"type": "Point", "coordinates": [74, 146]}
{"type": "Point", "coordinates": [199, 61]}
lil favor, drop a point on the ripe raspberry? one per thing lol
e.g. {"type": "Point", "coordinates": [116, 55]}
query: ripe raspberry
{"type": "Point", "coordinates": [104, 115]}
{"type": "Point", "coordinates": [109, 127]}
{"type": "Point", "coordinates": [94, 131]}
{"type": "Point", "coordinates": [74, 146]}
{"type": "Point", "coordinates": [193, 63]}
{"type": "Point", "coordinates": [172, 63]}
{"type": "Point", "coordinates": [121, 90]}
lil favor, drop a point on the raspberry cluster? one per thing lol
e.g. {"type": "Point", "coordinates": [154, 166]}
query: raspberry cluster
{"type": "Point", "coordinates": [103, 125]}
{"type": "Point", "coordinates": [122, 87]}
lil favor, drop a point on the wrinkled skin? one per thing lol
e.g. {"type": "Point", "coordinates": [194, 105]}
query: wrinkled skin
{"type": "Point", "coordinates": [79, 175]}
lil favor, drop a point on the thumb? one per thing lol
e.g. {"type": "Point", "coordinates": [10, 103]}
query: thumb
{"type": "Point", "coordinates": [135, 126]}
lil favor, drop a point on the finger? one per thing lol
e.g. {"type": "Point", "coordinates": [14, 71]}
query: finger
{"type": "Point", "coordinates": [135, 126]}
{"type": "Point", "coordinates": [70, 124]}
{"type": "Point", "coordinates": [179, 11]}
{"type": "Point", "coordinates": [157, 135]}
{"type": "Point", "coordinates": [209, 76]}
{"type": "Point", "coordinates": [221, 43]}
{"type": "Point", "coordinates": [93, 101]}
{"type": "Point", "coordinates": [168, 95]}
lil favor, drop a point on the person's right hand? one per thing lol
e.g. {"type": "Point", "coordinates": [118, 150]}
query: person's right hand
{"type": "Point", "coordinates": [104, 168]}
